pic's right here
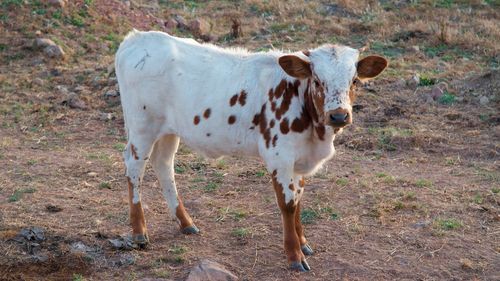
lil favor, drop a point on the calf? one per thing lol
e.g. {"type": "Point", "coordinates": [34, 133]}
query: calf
{"type": "Point", "coordinates": [285, 108]}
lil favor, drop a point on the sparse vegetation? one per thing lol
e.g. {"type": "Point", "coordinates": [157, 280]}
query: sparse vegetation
{"type": "Point", "coordinates": [408, 164]}
{"type": "Point", "coordinates": [448, 224]}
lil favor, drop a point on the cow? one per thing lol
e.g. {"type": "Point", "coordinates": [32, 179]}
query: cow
{"type": "Point", "coordinates": [285, 108]}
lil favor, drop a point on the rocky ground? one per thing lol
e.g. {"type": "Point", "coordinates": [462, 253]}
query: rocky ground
{"type": "Point", "coordinates": [412, 194]}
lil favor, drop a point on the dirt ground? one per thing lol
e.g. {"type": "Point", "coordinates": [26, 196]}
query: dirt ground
{"type": "Point", "coordinates": [412, 193]}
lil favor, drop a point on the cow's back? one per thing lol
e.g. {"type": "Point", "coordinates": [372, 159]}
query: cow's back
{"type": "Point", "coordinates": [177, 81]}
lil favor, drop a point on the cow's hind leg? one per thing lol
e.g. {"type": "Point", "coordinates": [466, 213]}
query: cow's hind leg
{"type": "Point", "coordinates": [306, 249]}
{"type": "Point", "coordinates": [135, 155]}
{"type": "Point", "coordinates": [162, 160]}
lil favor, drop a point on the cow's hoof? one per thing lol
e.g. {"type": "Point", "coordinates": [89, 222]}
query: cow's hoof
{"type": "Point", "coordinates": [306, 250]}
{"type": "Point", "coordinates": [140, 240]}
{"type": "Point", "coordinates": [192, 229]}
{"type": "Point", "coordinates": [300, 266]}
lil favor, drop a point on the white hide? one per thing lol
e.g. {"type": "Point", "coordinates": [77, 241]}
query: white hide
{"type": "Point", "coordinates": [166, 81]}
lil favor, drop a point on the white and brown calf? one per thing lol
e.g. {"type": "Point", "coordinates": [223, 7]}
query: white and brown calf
{"type": "Point", "coordinates": [284, 108]}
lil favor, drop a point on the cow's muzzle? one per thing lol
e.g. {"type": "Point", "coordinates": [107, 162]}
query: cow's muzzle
{"type": "Point", "coordinates": [338, 118]}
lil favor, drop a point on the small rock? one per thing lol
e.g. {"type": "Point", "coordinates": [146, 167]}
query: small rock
{"type": "Point", "coordinates": [57, 3]}
{"type": "Point", "coordinates": [413, 81]}
{"type": "Point", "coordinates": [41, 43]}
{"type": "Point", "coordinates": [55, 72]}
{"type": "Point", "coordinates": [54, 51]}
{"type": "Point", "coordinates": [210, 271]}
{"type": "Point", "coordinates": [127, 3]}
{"type": "Point", "coordinates": [436, 93]}
{"type": "Point", "coordinates": [421, 224]}
{"type": "Point", "coordinates": [62, 90]}
{"type": "Point", "coordinates": [415, 48]}
{"type": "Point", "coordinates": [199, 27]}
{"type": "Point", "coordinates": [288, 39]}
{"type": "Point", "coordinates": [122, 260]}
{"type": "Point", "coordinates": [170, 24]}
{"type": "Point", "coordinates": [92, 174]}
{"type": "Point", "coordinates": [112, 81]}
{"type": "Point", "coordinates": [483, 100]}
{"type": "Point", "coordinates": [103, 116]}
{"type": "Point", "coordinates": [73, 101]}
{"type": "Point", "coordinates": [111, 69]}
{"type": "Point", "coordinates": [111, 94]}
{"type": "Point", "coordinates": [443, 86]}
{"type": "Point", "coordinates": [181, 22]}
{"type": "Point", "coordinates": [38, 81]}
{"type": "Point", "coordinates": [80, 89]}
{"type": "Point", "coordinates": [428, 99]}
{"type": "Point", "coordinates": [122, 243]}
{"type": "Point", "coordinates": [53, 208]}
{"type": "Point", "coordinates": [459, 98]}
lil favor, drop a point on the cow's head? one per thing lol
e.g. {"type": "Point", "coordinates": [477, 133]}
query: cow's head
{"type": "Point", "coordinates": [333, 72]}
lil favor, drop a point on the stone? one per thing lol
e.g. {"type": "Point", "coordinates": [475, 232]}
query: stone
{"type": "Point", "coordinates": [73, 101]}
{"type": "Point", "coordinates": [436, 93]}
{"type": "Point", "coordinates": [415, 48]}
{"type": "Point", "coordinates": [41, 43]}
{"type": "Point", "coordinates": [62, 89]}
{"type": "Point", "coordinates": [443, 86]}
{"type": "Point", "coordinates": [181, 22]}
{"type": "Point", "coordinates": [103, 116]}
{"type": "Point", "coordinates": [208, 270]}
{"type": "Point", "coordinates": [483, 100]}
{"type": "Point", "coordinates": [170, 24]}
{"type": "Point", "coordinates": [57, 3]}
{"type": "Point", "coordinates": [54, 51]}
{"type": "Point", "coordinates": [38, 81]}
{"type": "Point", "coordinates": [413, 81]}
{"type": "Point", "coordinates": [199, 27]}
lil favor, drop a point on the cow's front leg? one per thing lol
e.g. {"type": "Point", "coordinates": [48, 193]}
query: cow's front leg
{"type": "Point", "coordinates": [288, 197]}
{"type": "Point", "coordinates": [306, 249]}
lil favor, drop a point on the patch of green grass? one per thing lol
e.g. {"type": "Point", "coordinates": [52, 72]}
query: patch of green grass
{"type": "Point", "coordinates": [488, 175]}
{"type": "Point", "coordinates": [386, 49]}
{"type": "Point", "coordinates": [495, 190]}
{"type": "Point", "coordinates": [385, 135]}
{"type": "Point", "coordinates": [119, 146]}
{"type": "Point", "coordinates": [332, 215]}
{"type": "Point", "coordinates": [238, 215]}
{"type": "Point", "coordinates": [448, 224]}
{"type": "Point", "coordinates": [221, 164]}
{"type": "Point", "coordinates": [423, 183]}
{"type": "Point", "coordinates": [260, 174]}
{"type": "Point", "coordinates": [7, 3]}
{"type": "Point", "coordinates": [447, 99]}
{"type": "Point", "coordinates": [434, 51]}
{"type": "Point", "coordinates": [409, 195]}
{"type": "Point", "coordinates": [240, 232]}
{"type": "Point", "coordinates": [88, 2]}
{"type": "Point", "coordinates": [426, 81]}
{"type": "Point", "coordinates": [211, 187]}
{"type": "Point", "coordinates": [178, 250]}
{"type": "Point", "coordinates": [179, 169]}
{"type": "Point", "coordinates": [57, 14]}
{"type": "Point", "coordinates": [342, 181]}
{"type": "Point", "coordinates": [308, 216]}
{"type": "Point", "coordinates": [76, 20]}
{"type": "Point", "coordinates": [18, 194]}
{"type": "Point", "coordinates": [478, 199]}
{"type": "Point", "coordinates": [105, 184]}
{"type": "Point", "coordinates": [78, 277]}
{"type": "Point", "coordinates": [3, 47]}
{"type": "Point", "coordinates": [31, 162]}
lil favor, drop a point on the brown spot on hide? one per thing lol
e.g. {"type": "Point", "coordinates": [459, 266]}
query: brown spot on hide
{"type": "Point", "coordinates": [291, 187]}
{"type": "Point", "coordinates": [284, 126]}
{"type": "Point", "coordinates": [273, 106]}
{"type": "Point", "coordinates": [291, 90]}
{"type": "Point", "coordinates": [196, 120]}
{"type": "Point", "coordinates": [306, 52]}
{"type": "Point", "coordinates": [266, 133]}
{"type": "Point", "coordinates": [207, 112]}
{"type": "Point", "coordinates": [280, 89]}
{"type": "Point", "coordinates": [301, 124]}
{"type": "Point", "coordinates": [271, 124]}
{"type": "Point", "coordinates": [133, 150]}
{"type": "Point", "coordinates": [256, 118]}
{"type": "Point", "coordinates": [275, 138]}
{"type": "Point", "coordinates": [233, 100]}
{"type": "Point", "coordinates": [302, 182]}
{"type": "Point", "coordinates": [320, 130]}
{"type": "Point", "coordinates": [231, 119]}
{"type": "Point", "coordinates": [243, 98]}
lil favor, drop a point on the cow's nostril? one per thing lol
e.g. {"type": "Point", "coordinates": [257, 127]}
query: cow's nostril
{"type": "Point", "coordinates": [339, 119]}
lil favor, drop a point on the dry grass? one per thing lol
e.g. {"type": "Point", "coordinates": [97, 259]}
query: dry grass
{"type": "Point", "coordinates": [413, 188]}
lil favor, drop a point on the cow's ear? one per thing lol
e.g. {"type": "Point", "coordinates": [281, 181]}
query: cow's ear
{"type": "Point", "coordinates": [371, 66]}
{"type": "Point", "coordinates": [295, 66]}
